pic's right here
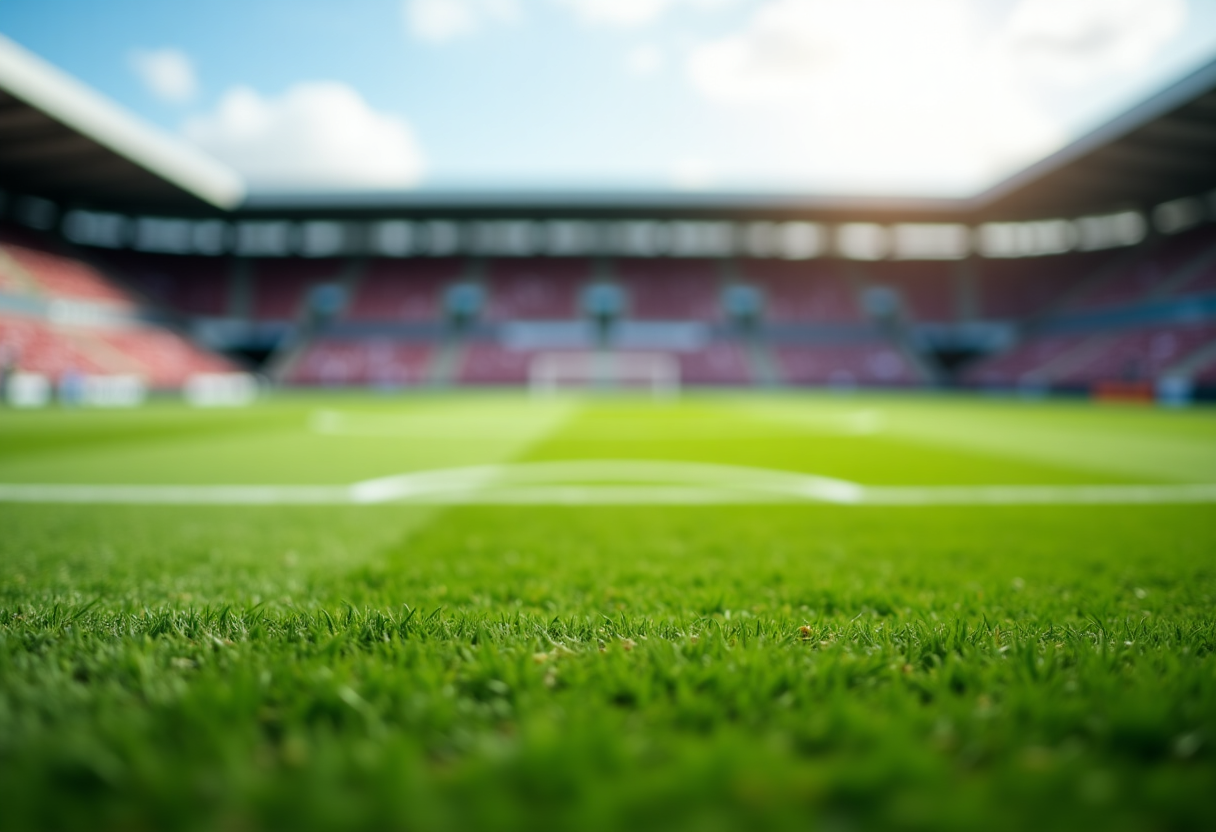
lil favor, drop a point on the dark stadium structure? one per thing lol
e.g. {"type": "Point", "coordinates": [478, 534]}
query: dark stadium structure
{"type": "Point", "coordinates": [123, 251]}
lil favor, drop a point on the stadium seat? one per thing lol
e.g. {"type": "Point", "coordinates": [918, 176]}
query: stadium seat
{"type": "Point", "coordinates": [719, 363]}
{"type": "Point", "coordinates": [1019, 288]}
{"type": "Point", "coordinates": [180, 284]}
{"type": "Point", "coordinates": [1138, 355]}
{"type": "Point", "coordinates": [333, 362]}
{"type": "Point", "coordinates": [809, 292]}
{"type": "Point", "coordinates": [844, 364]}
{"type": "Point", "coordinates": [928, 290]}
{"type": "Point", "coordinates": [670, 290]}
{"type": "Point", "coordinates": [402, 290]}
{"type": "Point", "coordinates": [281, 285]}
{"type": "Point", "coordinates": [37, 347]}
{"type": "Point", "coordinates": [61, 276]}
{"type": "Point", "coordinates": [535, 289]}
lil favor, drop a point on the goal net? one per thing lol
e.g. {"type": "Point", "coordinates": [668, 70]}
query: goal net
{"type": "Point", "coordinates": [554, 372]}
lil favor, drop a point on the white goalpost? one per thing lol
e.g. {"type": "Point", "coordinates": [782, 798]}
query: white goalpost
{"type": "Point", "coordinates": [555, 372]}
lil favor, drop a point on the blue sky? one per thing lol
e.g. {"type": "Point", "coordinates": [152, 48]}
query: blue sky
{"type": "Point", "coordinates": [928, 97]}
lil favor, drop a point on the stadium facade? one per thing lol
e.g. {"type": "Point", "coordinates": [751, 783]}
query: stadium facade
{"type": "Point", "coordinates": [124, 252]}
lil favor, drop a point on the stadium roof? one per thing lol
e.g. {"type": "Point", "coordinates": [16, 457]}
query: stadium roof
{"type": "Point", "coordinates": [63, 141]}
{"type": "Point", "coordinates": [1163, 148]}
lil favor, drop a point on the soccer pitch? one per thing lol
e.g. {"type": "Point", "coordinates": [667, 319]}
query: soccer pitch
{"type": "Point", "coordinates": [724, 611]}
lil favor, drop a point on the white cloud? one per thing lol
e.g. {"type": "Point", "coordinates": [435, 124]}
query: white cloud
{"type": "Point", "coordinates": [316, 134]}
{"type": "Point", "coordinates": [924, 92]}
{"type": "Point", "coordinates": [1080, 41]}
{"type": "Point", "coordinates": [645, 60]}
{"type": "Point", "coordinates": [167, 73]}
{"type": "Point", "coordinates": [625, 13]}
{"type": "Point", "coordinates": [440, 21]}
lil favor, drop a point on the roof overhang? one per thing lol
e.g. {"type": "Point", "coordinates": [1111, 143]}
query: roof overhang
{"type": "Point", "coordinates": [1161, 149]}
{"type": "Point", "coordinates": [63, 141]}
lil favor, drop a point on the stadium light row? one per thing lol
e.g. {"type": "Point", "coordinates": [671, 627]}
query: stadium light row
{"type": "Point", "coordinates": [794, 240]}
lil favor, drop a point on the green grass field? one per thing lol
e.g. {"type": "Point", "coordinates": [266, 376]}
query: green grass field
{"type": "Point", "coordinates": [549, 644]}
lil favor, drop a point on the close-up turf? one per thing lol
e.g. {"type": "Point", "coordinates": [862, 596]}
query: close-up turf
{"type": "Point", "coordinates": [722, 611]}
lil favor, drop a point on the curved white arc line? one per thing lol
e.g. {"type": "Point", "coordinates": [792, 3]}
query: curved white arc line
{"type": "Point", "coordinates": [639, 472]}
{"type": "Point", "coordinates": [635, 495]}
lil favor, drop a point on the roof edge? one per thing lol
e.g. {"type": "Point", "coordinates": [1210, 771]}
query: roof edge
{"type": "Point", "coordinates": [1186, 89]}
{"type": "Point", "coordinates": [59, 95]}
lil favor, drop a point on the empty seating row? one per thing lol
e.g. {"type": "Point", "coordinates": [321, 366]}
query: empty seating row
{"type": "Point", "coordinates": [60, 276]}
{"type": "Point", "coordinates": [335, 363]}
{"type": "Point", "coordinates": [1140, 354]}
{"type": "Point", "coordinates": [36, 346]}
{"type": "Point", "coordinates": [402, 290]}
{"type": "Point", "coordinates": [844, 365]}
{"type": "Point", "coordinates": [928, 291]}
{"type": "Point", "coordinates": [280, 287]}
{"type": "Point", "coordinates": [187, 285]}
{"type": "Point", "coordinates": [535, 289]}
{"type": "Point", "coordinates": [1014, 289]}
{"type": "Point", "coordinates": [162, 357]}
{"type": "Point", "coordinates": [658, 290]}
{"type": "Point", "coordinates": [1016, 364]}
{"type": "Point", "coordinates": [1138, 276]}
{"type": "Point", "coordinates": [803, 291]}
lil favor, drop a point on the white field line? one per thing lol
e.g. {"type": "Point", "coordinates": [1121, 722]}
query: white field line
{"type": "Point", "coordinates": [266, 495]}
{"type": "Point", "coordinates": [1037, 494]}
{"type": "Point", "coordinates": [610, 482]}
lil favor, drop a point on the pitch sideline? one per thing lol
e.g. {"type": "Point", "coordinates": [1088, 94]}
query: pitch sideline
{"type": "Point", "coordinates": [606, 482]}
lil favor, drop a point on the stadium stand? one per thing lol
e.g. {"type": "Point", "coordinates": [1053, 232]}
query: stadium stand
{"type": "Point", "coordinates": [112, 337]}
{"type": "Point", "coordinates": [1145, 276]}
{"type": "Point", "coordinates": [37, 262]}
{"type": "Point", "coordinates": [332, 362]}
{"type": "Point", "coordinates": [36, 346]}
{"type": "Point", "coordinates": [803, 292]}
{"type": "Point", "coordinates": [1137, 355]}
{"type": "Point", "coordinates": [928, 290]}
{"type": "Point", "coordinates": [403, 290]}
{"type": "Point", "coordinates": [1014, 366]}
{"type": "Point", "coordinates": [844, 365]}
{"type": "Point", "coordinates": [670, 290]}
{"type": "Point", "coordinates": [718, 363]}
{"type": "Point", "coordinates": [535, 289]}
{"type": "Point", "coordinates": [491, 363]}
{"type": "Point", "coordinates": [183, 285]}
{"type": "Point", "coordinates": [164, 358]}
{"type": "Point", "coordinates": [1198, 275]}
{"type": "Point", "coordinates": [280, 285]}
{"type": "Point", "coordinates": [1020, 288]}
{"type": "Point", "coordinates": [1202, 283]}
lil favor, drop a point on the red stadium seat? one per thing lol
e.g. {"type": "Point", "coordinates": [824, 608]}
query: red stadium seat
{"type": "Point", "coordinates": [402, 290]}
{"type": "Point", "coordinates": [844, 364]}
{"type": "Point", "coordinates": [807, 292]}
